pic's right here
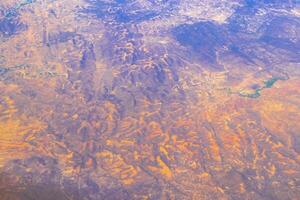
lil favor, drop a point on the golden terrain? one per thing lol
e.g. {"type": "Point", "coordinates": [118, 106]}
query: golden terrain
{"type": "Point", "coordinates": [211, 143]}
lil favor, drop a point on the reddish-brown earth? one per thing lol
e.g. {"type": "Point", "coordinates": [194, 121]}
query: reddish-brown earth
{"type": "Point", "coordinates": [95, 106]}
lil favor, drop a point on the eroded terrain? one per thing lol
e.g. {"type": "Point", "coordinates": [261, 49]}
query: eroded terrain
{"type": "Point", "coordinates": [149, 99]}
